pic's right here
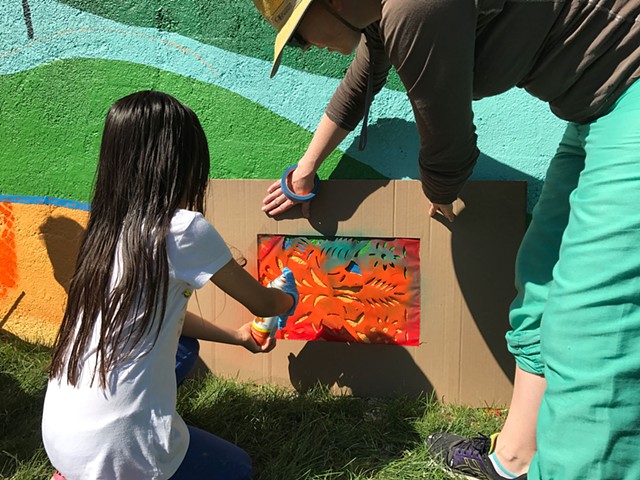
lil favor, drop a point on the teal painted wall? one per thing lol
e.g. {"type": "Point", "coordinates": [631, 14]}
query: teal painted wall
{"type": "Point", "coordinates": [63, 63]}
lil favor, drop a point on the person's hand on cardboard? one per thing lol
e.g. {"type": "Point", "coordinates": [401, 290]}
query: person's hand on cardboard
{"type": "Point", "coordinates": [449, 211]}
{"type": "Point", "coordinates": [301, 182]}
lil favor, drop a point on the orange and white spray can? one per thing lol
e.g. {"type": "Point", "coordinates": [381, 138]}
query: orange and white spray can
{"type": "Point", "coordinates": [265, 328]}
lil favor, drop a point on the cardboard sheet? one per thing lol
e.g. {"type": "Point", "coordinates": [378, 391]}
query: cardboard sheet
{"type": "Point", "coordinates": [466, 286]}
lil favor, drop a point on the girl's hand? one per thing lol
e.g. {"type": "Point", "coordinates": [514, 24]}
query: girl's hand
{"type": "Point", "coordinates": [247, 341]}
{"type": "Point", "coordinates": [301, 182]}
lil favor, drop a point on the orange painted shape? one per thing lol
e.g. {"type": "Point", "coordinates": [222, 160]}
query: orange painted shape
{"type": "Point", "coordinates": [8, 260]}
{"type": "Point", "coordinates": [378, 301]}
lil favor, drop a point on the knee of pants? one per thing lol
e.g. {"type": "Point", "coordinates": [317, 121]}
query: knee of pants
{"type": "Point", "coordinates": [213, 458]}
{"type": "Point", "coordinates": [186, 356]}
{"type": "Point", "coordinates": [188, 345]}
{"type": "Point", "coordinates": [244, 468]}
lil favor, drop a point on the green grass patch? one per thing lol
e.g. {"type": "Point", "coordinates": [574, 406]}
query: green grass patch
{"type": "Point", "coordinates": [22, 385]}
{"type": "Point", "coordinates": [311, 435]}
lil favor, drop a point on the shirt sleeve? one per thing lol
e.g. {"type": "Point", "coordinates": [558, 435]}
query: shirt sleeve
{"type": "Point", "coordinates": [346, 107]}
{"type": "Point", "coordinates": [196, 251]}
{"type": "Point", "coordinates": [431, 44]}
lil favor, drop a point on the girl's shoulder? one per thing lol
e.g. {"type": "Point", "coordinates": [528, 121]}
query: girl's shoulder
{"type": "Point", "coordinates": [183, 220]}
{"type": "Point", "coordinates": [191, 226]}
{"type": "Point", "coordinates": [195, 248]}
{"type": "Point", "coordinates": [183, 215]}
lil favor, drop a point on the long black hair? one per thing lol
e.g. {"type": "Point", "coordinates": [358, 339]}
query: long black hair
{"type": "Point", "coordinates": [154, 158]}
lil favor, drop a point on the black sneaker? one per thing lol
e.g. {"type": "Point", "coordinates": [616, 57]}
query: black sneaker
{"type": "Point", "coordinates": [468, 456]}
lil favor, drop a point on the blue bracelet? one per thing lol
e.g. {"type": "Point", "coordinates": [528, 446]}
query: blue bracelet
{"type": "Point", "coordinates": [292, 196]}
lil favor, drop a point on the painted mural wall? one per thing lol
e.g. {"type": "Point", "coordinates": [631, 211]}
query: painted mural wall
{"type": "Point", "coordinates": [63, 63]}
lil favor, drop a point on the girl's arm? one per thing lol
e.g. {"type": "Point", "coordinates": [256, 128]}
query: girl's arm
{"type": "Point", "coordinates": [258, 299]}
{"type": "Point", "coordinates": [197, 327]}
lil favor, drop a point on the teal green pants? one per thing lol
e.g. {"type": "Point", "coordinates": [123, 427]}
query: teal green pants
{"type": "Point", "coordinates": [576, 319]}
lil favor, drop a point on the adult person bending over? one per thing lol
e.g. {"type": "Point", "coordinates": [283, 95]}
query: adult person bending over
{"type": "Point", "coordinates": [579, 263]}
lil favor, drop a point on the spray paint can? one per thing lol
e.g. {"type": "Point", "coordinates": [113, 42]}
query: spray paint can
{"type": "Point", "coordinates": [265, 328]}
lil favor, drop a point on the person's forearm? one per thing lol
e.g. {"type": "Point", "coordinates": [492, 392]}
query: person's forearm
{"type": "Point", "coordinates": [326, 138]}
{"type": "Point", "coordinates": [197, 327]}
{"type": "Point", "coordinates": [302, 181]}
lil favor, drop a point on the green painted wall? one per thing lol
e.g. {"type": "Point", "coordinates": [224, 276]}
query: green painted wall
{"type": "Point", "coordinates": [58, 141]}
{"type": "Point", "coordinates": [233, 25]}
{"type": "Point", "coordinates": [63, 63]}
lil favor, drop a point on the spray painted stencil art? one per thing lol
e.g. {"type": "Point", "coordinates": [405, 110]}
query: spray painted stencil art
{"type": "Point", "coordinates": [351, 289]}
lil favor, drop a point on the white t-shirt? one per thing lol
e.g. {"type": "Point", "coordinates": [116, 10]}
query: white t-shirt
{"type": "Point", "coordinates": [130, 430]}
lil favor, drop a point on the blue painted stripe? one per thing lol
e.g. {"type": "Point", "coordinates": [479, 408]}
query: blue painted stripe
{"type": "Point", "coordinates": [62, 32]}
{"type": "Point", "coordinates": [56, 202]}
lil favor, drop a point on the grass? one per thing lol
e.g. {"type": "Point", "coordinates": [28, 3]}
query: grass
{"type": "Point", "coordinates": [289, 435]}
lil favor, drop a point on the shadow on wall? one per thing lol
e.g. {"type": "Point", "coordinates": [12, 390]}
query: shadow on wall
{"type": "Point", "coordinates": [367, 370]}
{"type": "Point", "coordinates": [62, 237]}
{"type": "Point", "coordinates": [12, 309]}
{"type": "Point", "coordinates": [393, 147]}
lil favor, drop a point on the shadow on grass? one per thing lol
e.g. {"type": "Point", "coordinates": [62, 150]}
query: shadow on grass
{"type": "Point", "coordinates": [22, 385]}
{"type": "Point", "coordinates": [288, 434]}
{"type": "Point", "coordinates": [311, 435]}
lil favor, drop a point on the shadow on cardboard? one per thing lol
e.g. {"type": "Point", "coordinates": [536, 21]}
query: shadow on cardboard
{"type": "Point", "coordinates": [486, 280]}
{"type": "Point", "coordinates": [331, 207]}
{"type": "Point", "coordinates": [366, 370]}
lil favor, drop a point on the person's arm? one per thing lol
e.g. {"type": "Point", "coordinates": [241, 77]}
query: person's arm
{"type": "Point", "coordinates": [342, 115]}
{"type": "Point", "coordinates": [261, 301]}
{"type": "Point", "coordinates": [432, 46]}
{"type": "Point", "coordinates": [347, 105]}
{"type": "Point", "coordinates": [197, 327]}
{"type": "Point", "coordinates": [326, 138]}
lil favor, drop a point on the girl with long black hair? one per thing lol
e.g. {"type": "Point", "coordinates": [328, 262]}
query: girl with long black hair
{"type": "Point", "coordinates": [110, 407]}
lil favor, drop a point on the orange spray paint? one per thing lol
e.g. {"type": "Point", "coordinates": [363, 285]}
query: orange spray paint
{"type": "Point", "coordinates": [8, 260]}
{"type": "Point", "coordinates": [351, 290]}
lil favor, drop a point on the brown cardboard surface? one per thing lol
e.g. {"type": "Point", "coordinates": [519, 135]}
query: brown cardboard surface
{"type": "Point", "coordinates": [466, 288]}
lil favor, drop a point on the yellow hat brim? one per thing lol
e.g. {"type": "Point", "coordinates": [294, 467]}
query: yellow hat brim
{"type": "Point", "coordinates": [286, 32]}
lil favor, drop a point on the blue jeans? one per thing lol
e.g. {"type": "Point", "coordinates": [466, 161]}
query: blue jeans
{"type": "Point", "coordinates": [208, 457]}
{"type": "Point", "coordinates": [186, 356]}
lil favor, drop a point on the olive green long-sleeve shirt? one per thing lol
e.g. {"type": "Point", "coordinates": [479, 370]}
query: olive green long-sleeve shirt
{"type": "Point", "coordinates": [577, 55]}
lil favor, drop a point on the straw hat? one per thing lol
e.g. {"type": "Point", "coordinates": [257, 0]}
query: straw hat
{"type": "Point", "coordinates": [284, 16]}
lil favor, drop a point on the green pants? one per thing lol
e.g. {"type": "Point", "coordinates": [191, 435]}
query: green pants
{"type": "Point", "coordinates": [576, 319]}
